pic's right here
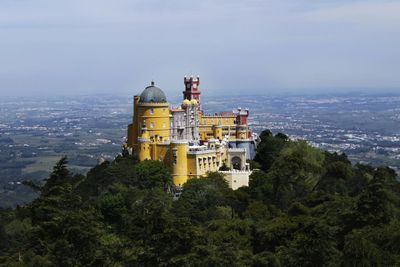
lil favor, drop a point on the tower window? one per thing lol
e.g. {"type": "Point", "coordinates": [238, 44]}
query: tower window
{"type": "Point", "coordinates": [174, 156]}
{"type": "Point", "coordinates": [163, 124]}
{"type": "Point", "coordinates": [152, 111]}
{"type": "Point", "coordinates": [151, 124]}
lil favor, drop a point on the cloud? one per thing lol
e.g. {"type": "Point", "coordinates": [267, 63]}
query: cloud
{"type": "Point", "coordinates": [96, 46]}
{"type": "Point", "coordinates": [385, 13]}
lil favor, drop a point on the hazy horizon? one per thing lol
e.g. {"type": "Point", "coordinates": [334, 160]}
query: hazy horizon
{"type": "Point", "coordinates": [87, 47]}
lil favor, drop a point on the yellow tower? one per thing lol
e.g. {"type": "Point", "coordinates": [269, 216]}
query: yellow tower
{"type": "Point", "coordinates": [217, 131]}
{"type": "Point", "coordinates": [241, 132]}
{"type": "Point", "coordinates": [143, 147]}
{"type": "Point", "coordinates": [153, 113]}
{"type": "Point", "coordinates": [179, 150]}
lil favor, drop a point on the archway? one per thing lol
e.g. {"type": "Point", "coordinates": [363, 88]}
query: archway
{"type": "Point", "coordinates": [236, 163]}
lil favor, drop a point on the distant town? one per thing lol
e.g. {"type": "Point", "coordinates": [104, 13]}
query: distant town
{"type": "Point", "coordinates": [35, 133]}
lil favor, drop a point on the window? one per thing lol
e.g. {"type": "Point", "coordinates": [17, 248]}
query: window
{"type": "Point", "coordinates": [163, 111]}
{"type": "Point", "coordinates": [163, 124]}
{"type": "Point", "coordinates": [174, 156]}
{"type": "Point", "coordinates": [152, 125]}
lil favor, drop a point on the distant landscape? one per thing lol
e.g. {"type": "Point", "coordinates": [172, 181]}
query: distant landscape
{"type": "Point", "coordinates": [35, 133]}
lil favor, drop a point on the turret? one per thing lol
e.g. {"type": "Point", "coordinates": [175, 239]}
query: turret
{"type": "Point", "coordinates": [217, 131]}
{"type": "Point", "coordinates": [144, 146]}
{"type": "Point", "coordinates": [153, 113]}
{"type": "Point", "coordinates": [241, 116]}
{"type": "Point", "coordinates": [241, 132]}
{"type": "Point", "coordinates": [192, 90]}
{"type": "Point", "coordinates": [191, 132]}
{"type": "Point", "coordinates": [179, 150]}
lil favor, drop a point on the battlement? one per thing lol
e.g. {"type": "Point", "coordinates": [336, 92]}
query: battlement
{"type": "Point", "coordinates": [192, 79]}
{"type": "Point", "coordinates": [192, 90]}
{"type": "Point", "coordinates": [187, 140]}
{"type": "Point", "coordinates": [242, 112]}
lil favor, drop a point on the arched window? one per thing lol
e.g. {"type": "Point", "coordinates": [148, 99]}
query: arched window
{"type": "Point", "coordinates": [236, 163]}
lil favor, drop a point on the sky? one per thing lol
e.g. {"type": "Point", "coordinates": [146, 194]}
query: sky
{"type": "Point", "coordinates": [75, 47]}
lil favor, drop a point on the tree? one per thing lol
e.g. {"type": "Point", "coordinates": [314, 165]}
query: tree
{"type": "Point", "coordinates": [261, 186]}
{"type": "Point", "coordinates": [201, 198]}
{"type": "Point", "coordinates": [374, 206]}
{"type": "Point", "coordinates": [373, 246]}
{"type": "Point", "coordinates": [59, 177]}
{"type": "Point", "coordinates": [336, 178]}
{"type": "Point", "coordinates": [152, 174]}
{"type": "Point", "coordinates": [269, 148]}
{"type": "Point", "coordinates": [304, 208]}
{"type": "Point", "coordinates": [313, 244]}
{"type": "Point", "coordinates": [296, 172]}
{"type": "Point", "coordinates": [224, 243]}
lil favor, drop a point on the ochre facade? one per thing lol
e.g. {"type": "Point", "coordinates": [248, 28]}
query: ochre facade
{"type": "Point", "coordinates": [188, 141]}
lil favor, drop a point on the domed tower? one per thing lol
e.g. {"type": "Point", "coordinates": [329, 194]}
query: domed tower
{"type": "Point", "coordinates": [151, 112]}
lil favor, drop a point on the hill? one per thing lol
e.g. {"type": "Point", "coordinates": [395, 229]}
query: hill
{"type": "Point", "coordinates": [303, 207]}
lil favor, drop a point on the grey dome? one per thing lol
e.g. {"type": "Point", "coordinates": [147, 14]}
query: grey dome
{"type": "Point", "coordinates": [152, 94]}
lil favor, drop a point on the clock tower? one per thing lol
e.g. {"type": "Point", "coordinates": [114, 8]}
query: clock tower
{"type": "Point", "coordinates": [192, 90]}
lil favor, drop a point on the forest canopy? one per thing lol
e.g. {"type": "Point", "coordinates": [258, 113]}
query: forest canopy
{"type": "Point", "coordinates": [303, 207]}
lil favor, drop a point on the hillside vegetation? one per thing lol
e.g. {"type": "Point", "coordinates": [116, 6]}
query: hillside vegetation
{"type": "Point", "coordinates": [303, 207]}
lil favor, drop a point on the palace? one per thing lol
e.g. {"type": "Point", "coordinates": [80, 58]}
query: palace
{"type": "Point", "coordinates": [190, 142]}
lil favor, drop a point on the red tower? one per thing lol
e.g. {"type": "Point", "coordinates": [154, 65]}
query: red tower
{"type": "Point", "coordinates": [192, 90]}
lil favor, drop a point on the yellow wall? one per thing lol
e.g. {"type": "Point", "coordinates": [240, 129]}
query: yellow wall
{"type": "Point", "coordinates": [206, 132]}
{"type": "Point", "coordinates": [179, 162]}
{"type": "Point", "coordinates": [216, 119]}
{"type": "Point", "coordinates": [144, 151]}
{"type": "Point", "coordinates": [191, 167]}
{"type": "Point", "coordinates": [241, 132]}
{"type": "Point", "coordinates": [184, 166]}
{"type": "Point", "coordinates": [207, 162]}
{"type": "Point", "coordinates": [156, 117]}
{"type": "Point", "coordinates": [206, 122]}
{"type": "Point", "coordinates": [217, 131]}
{"type": "Point", "coordinates": [162, 153]}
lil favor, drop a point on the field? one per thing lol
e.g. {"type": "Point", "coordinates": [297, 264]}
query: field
{"type": "Point", "coordinates": [35, 133]}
